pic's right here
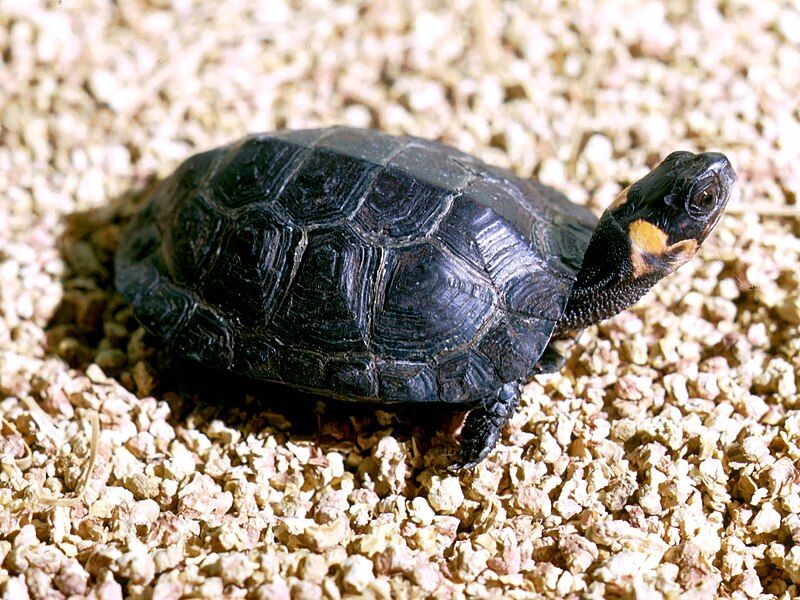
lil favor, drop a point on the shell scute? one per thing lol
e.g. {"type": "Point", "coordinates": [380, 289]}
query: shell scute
{"type": "Point", "coordinates": [354, 376]}
{"type": "Point", "coordinates": [410, 195]}
{"type": "Point", "coordinates": [192, 243]}
{"type": "Point", "coordinates": [254, 170]}
{"type": "Point", "coordinates": [407, 382]}
{"type": "Point", "coordinates": [206, 338]}
{"type": "Point", "coordinates": [180, 187]}
{"type": "Point", "coordinates": [259, 355]}
{"type": "Point", "coordinates": [254, 265]}
{"type": "Point", "coordinates": [524, 280]}
{"type": "Point", "coordinates": [328, 187]}
{"type": "Point", "coordinates": [465, 378]}
{"type": "Point", "coordinates": [429, 304]}
{"type": "Point", "coordinates": [303, 369]}
{"type": "Point", "coordinates": [514, 344]}
{"type": "Point", "coordinates": [327, 304]}
{"type": "Point", "coordinates": [160, 305]}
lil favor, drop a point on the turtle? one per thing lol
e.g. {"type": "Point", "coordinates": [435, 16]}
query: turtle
{"type": "Point", "coordinates": [362, 266]}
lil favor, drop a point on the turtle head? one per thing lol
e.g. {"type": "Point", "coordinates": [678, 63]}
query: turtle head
{"type": "Point", "coordinates": [652, 228]}
{"type": "Point", "coordinates": [668, 213]}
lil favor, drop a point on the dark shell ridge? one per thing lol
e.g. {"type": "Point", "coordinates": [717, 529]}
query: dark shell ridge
{"type": "Point", "coordinates": [354, 264]}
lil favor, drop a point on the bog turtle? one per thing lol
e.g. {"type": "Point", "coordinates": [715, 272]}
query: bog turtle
{"type": "Point", "coordinates": [367, 267]}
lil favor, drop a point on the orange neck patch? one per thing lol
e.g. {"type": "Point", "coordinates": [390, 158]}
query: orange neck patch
{"type": "Point", "coordinates": [648, 237]}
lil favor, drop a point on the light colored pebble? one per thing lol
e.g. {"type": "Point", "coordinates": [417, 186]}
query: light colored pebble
{"type": "Point", "coordinates": [357, 573]}
{"type": "Point", "coordinates": [445, 494]}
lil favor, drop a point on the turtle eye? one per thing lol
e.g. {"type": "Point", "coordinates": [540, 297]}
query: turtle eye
{"type": "Point", "coordinates": [703, 199]}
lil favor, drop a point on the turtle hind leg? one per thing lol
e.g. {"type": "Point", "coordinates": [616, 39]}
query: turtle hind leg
{"type": "Point", "coordinates": [484, 425]}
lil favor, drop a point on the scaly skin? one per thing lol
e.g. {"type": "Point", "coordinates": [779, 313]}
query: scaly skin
{"type": "Point", "coordinates": [484, 425]}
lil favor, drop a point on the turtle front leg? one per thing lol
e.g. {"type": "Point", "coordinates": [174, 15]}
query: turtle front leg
{"type": "Point", "coordinates": [551, 361]}
{"type": "Point", "coordinates": [554, 356]}
{"type": "Point", "coordinates": [484, 425]}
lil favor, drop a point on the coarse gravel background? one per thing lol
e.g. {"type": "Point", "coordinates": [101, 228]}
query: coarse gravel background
{"type": "Point", "coordinates": [663, 460]}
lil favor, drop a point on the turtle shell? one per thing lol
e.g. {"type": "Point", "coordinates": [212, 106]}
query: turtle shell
{"type": "Point", "coordinates": [354, 264]}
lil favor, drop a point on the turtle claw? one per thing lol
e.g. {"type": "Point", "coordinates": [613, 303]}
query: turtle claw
{"type": "Point", "coordinates": [460, 467]}
{"type": "Point", "coordinates": [483, 427]}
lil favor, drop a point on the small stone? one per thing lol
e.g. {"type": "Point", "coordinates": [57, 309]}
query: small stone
{"type": "Point", "coordinates": [236, 568]}
{"type": "Point", "coordinates": [533, 501]}
{"type": "Point", "coordinates": [421, 511]}
{"type": "Point", "coordinates": [137, 565]}
{"type": "Point", "coordinates": [767, 519]}
{"type": "Point", "coordinates": [277, 590]}
{"type": "Point", "coordinates": [313, 568]}
{"type": "Point", "coordinates": [212, 587]}
{"type": "Point", "coordinates": [675, 383]}
{"type": "Point", "coordinates": [445, 495]}
{"type": "Point", "coordinates": [95, 374]}
{"type": "Point", "coordinates": [111, 361]}
{"type": "Point", "coordinates": [578, 552]}
{"type": "Point", "coordinates": [427, 576]}
{"type": "Point", "coordinates": [305, 590]}
{"type": "Point", "coordinates": [144, 378]}
{"type": "Point", "coordinates": [202, 498]}
{"type": "Point", "coordinates": [598, 150]}
{"type": "Point", "coordinates": [145, 512]}
{"type": "Point", "coordinates": [357, 573]}
{"type": "Point", "coordinates": [71, 579]}
{"type": "Point", "coordinates": [112, 497]}
{"type": "Point", "coordinates": [469, 561]}
{"type": "Point", "coordinates": [16, 588]}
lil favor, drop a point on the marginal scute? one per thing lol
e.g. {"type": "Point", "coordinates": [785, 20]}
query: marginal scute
{"type": "Point", "coordinates": [327, 307]}
{"type": "Point", "coordinates": [465, 378]}
{"type": "Point", "coordinates": [206, 338]}
{"type": "Point", "coordinates": [407, 382]}
{"type": "Point", "coordinates": [514, 345]}
{"type": "Point", "coordinates": [567, 241]}
{"type": "Point", "coordinates": [160, 305]}
{"type": "Point", "coordinates": [192, 241]}
{"type": "Point", "coordinates": [303, 368]}
{"type": "Point", "coordinates": [327, 187]}
{"type": "Point", "coordinates": [143, 239]}
{"type": "Point", "coordinates": [259, 355]}
{"type": "Point", "coordinates": [536, 293]}
{"type": "Point", "coordinates": [254, 265]}
{"type": "Point", "coordinates": [429, 304]}
{"type": "Point", "coordinates": [353, 377]}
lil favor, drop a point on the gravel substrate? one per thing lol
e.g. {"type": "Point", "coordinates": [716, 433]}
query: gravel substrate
{"type": "Point", "coordinates": [662, 460]}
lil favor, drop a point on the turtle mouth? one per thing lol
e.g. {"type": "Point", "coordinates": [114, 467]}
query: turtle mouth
{"type": "Point", "coordinates": [713, 222]}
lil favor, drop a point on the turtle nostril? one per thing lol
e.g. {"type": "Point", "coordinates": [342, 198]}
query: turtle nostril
{"type": "Point", "coordinates": [719, 163]}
